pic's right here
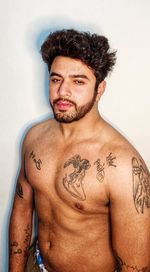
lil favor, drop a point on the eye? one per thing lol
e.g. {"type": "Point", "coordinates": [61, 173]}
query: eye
{"type": "Point", "coordinates": [54, 80]}
{"type": "Point", "coordinates": [79, 82]}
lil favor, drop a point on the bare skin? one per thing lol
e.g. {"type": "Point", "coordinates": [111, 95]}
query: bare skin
{"type": "Point", "coordinates": [91, 191]}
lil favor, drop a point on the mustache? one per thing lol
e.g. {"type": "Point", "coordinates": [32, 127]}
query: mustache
{"type": "Point", "coordinates": [63, 99]}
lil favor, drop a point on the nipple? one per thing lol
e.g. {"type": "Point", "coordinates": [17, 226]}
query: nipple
{"type": "Point", "coordinates": [79, 206]}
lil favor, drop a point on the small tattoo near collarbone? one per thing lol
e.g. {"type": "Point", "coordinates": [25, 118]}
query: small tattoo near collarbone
{"type": "Point", "coordinates": [101, 166]}
{"type": "Point", "coordinates": [37, 162]}
{"type": "Point", "coordinates": [14, 248]}
{"type": "Point", "coordinates": [73, 182]}
{"type": "Point", "coordinates": [19, 190]}
{"type": "Point", "coordinates": [141, 185]}
{"type": "Point", "coordinates": [122, 265]}
{"type": "Point", "coordinates": [110, 160]}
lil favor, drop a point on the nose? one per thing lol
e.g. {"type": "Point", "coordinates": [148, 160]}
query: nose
{"type": "Point", "coordinates": [64, 89]}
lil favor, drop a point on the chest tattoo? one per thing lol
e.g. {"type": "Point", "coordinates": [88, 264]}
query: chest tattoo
{"type": "Point", "coordinates": [110, 160]}
{"type": "Point", "coordinates": [73, 182]}
{"type": "Point", "coordinates": [100, 170]}
{"type": "Point", "coordinates": [101, 166]}
{"type": "Point", "coordinates": [141, 185]}
{"type": "Point", "coordinates": [37, 162]}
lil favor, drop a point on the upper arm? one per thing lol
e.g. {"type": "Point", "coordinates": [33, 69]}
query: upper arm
{"type": "Point", "coordinates": [24, 192]}
{"type": "Point", "coordinates": [130, 214]}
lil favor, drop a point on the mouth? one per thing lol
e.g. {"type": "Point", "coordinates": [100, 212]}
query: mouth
{"type": "Point", "coordinates": [63, 104]}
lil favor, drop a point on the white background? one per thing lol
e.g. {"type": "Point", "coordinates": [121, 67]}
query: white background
{"type": "Point", "coordinates": [24, 25]}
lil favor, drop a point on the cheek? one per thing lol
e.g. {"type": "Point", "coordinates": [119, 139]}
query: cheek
{"type": "Point", "coordinates": [52, 94]}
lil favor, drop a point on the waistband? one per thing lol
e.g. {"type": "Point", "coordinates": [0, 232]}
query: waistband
{"type": "Point", "coordinates": [39, 259]}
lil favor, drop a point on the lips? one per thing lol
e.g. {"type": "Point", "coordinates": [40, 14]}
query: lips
{"type": "Point", "coordinates": [64, 104]}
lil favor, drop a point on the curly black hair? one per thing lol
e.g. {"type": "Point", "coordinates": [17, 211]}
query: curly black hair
{"type": "Point", "coordinates": [91, 49]}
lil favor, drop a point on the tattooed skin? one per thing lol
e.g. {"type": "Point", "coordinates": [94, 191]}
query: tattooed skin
{"type": "Point", "coordinates": [28, 235]}
{"type": "Point", "coordinates": [27, 239]}
{"type": "Point", "coordinates": [37, 162]}
{"type": "Point", "coordinates": [73, 182]}
{"type": "Point", "coordinates": [122, 265]}
{"type": "Point", "coordinates": [141, 185]}
{"type": "Point", "coordinates": [100, 170]}
{"type": "Point", "coordinates": [110, 160]}
{"type": "Point", "coordinates": [19, 190]}
{"type": "Point", "coordinates": [14, 248]}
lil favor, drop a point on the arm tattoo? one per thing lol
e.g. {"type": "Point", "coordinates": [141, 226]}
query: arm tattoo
{"type": "Point", "coordinates": [141, 185]}
{"type": "Point", "coordinates": [110, 160]}
{"type": "Point", "coordinates": [27, 239]}
{"type": "Point", "coordinates": [73, 182]}
{"type": "Point", "coordinates": [100, 170]}
{"type": "Point", "coordinates": [122, 265]}
{"type": "Point", "coordinates": [28, 235]}
{"type": "Point", "coordinates": [14, 248]}
{"type": "Point", "coordinates": [37, 162]}
{"type": "Point", "coordinates": [19, 190]}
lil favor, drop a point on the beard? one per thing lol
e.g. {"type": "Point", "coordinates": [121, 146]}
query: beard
{"type": "Point", "coordinates": [63, 116]}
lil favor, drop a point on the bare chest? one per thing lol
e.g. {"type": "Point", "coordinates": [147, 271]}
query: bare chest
{"type": "Point", "coordinates": [76, 175]}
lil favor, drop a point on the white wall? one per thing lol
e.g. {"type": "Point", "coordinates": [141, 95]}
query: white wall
{"type": "Point", "coordinates": [24, 100]}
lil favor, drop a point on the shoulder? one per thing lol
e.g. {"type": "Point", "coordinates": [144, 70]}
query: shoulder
{"type": "Point", "coordinates": [127, 175]}
{"type": "Point", "coordinates": [38, 132]}
{"type": "Point", "coordinates": [129, 181]}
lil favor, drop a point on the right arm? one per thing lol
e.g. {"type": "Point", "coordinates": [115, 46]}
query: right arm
{"type": "Point", "coordinates": [20, 228]}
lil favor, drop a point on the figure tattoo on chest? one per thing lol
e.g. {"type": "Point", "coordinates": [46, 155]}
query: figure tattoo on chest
{"type": "Point", "coordinates": [73, 182]}
{"type": "Point", "coordinates": [141, 185]}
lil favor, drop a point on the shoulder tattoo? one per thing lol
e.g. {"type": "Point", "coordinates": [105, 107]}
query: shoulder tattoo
{"type": "Point", "coordinates": [141, 185]}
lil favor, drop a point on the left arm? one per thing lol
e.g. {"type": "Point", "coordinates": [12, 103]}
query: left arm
{"type": "Point", "coordinates": [130, 215]}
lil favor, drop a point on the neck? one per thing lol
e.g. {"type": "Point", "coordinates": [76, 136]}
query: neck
{"type": "Point", "coordinates": [83, 128]}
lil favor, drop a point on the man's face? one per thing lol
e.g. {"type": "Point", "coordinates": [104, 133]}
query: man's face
{"type": "Point", "coordinates": [72, 89]}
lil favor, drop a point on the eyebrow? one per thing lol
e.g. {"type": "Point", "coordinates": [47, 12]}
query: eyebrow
{"type": "Point", "coordinates": [73, 76]}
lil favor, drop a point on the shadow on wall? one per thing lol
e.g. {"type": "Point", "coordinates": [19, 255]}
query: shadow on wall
{"type": "Point", "coordinates": [36, 33]}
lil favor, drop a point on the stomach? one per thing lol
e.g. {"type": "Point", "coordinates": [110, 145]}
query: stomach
{"type": "Point", "coordinates": [86, 250]}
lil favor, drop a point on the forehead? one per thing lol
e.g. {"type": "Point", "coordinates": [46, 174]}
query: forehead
{"type": "Point", "coordinates": [69, 66]}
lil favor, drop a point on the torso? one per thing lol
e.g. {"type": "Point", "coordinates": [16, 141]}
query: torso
{"type": "Point", "coordinates": [70, 183]}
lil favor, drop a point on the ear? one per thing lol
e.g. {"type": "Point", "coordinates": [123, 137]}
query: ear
{"type": "Point", "coordinates": [100, 90]}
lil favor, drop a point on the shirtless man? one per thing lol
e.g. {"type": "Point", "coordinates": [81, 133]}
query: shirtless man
{"type": "Point", "coordinates": [89, 186]}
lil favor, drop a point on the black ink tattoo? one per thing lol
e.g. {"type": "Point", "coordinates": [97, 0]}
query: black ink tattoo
{"type": "Point", "coordinates": [73, 182]}
{"type": "Point", "coordinates": [100, 170]}
{"type": "Point", "coordinates": [122, 265]}
{"type": "Point", "coordinates": [37, 162]}
{"type": "Point", "coordinates": [28, 235]}
{"type": "Point", "coordinates": [141, 185]}
{"type": "Point", "coordinates": [18, 251]}
{"type": "Point", "coordinates": [14, 248]}
{"type": "Point", "coordinates": [14, 244]}
{"type": "Point", "coordinates": [110, 160]}
{"type": "Point", "coordinates": [27, 239]}
{"type": "Point", "coordinates": [19, 190]}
